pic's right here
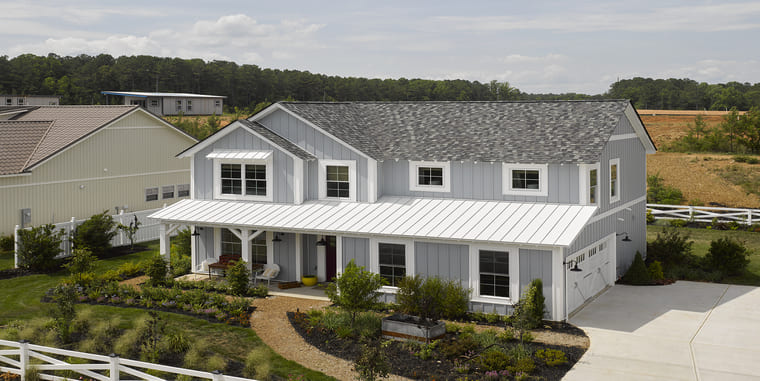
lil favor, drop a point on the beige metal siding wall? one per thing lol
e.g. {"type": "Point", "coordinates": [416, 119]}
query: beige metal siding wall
{"type": "Point", "coordinates": [201, 106]}
{"type": "Point", "coordinates": [110, 168]}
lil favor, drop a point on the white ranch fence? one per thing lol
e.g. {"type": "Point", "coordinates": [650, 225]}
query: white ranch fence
{"type": "Point", "coordinates": [148, 231]}
{"type": "Point", "coordinates": [704, 213]}
{"type": "Point", "coordinates": [18, 358]}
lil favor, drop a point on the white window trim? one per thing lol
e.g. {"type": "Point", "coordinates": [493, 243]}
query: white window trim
{"type": "Point", "coordinates": [163, 191]}
{"type": "Point", "coordinates": [374, 258]}
{"type": "Point", "coordinates": [322, 178]}
{"type": "Point", "coordinates": [616, 163]}
{"type": "Point", "coordinates": [218, 180]}
{"type": "Point", "coordinates": [514, 273]}
{"type": "Point", "coordinates": [158, 193]}
{"type": "Point", "coordinates": [583, 172]}
{"type": "Point", "coordinates": [414, 177]}
{"type": "Point", "coordinates": [506, 179]}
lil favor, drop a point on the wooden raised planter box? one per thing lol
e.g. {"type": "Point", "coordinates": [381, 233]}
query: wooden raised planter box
{"type": "Point", "coordinates": [406, 327]}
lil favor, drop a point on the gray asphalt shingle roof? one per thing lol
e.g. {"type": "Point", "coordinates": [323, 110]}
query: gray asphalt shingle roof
{"type": "Point", "coordinates": [512, 131]}
{"type": "Point", "coordinates": [278, 140]}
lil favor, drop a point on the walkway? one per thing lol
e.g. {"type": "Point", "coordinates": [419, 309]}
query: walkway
{"type": "Point", "coordinates": [683, 331]}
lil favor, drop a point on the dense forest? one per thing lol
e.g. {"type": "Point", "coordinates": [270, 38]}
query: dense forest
{"type": "Point", "coordinates": [79, 80]}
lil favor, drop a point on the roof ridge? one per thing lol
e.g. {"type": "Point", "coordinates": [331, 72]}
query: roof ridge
{"type": "Point", "coordinates": [39, 143]}
{"type": "Point", "coordinates": [459, 102]}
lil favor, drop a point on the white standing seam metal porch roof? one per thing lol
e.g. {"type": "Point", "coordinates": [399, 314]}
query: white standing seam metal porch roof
{"type": "Point", "coordinates": [498, 222]}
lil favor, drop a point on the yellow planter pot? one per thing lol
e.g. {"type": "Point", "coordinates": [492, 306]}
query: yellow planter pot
{"type": "Point", "coordinates": [309, 280]}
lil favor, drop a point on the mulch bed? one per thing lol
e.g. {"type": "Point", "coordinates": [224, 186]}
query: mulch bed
{"type": "Point", "coordinates": [405, 363]}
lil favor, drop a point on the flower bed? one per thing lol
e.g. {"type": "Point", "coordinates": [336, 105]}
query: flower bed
{"type": "Point", "coordinates": [460, 354]}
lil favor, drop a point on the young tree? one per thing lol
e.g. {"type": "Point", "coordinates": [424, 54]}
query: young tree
{"type": "Point", "coordinates": [130, 231]}
{"type": "Point", "coordinates": [96, 233]}
{"type": "Point", "coordinates": [355, 289]}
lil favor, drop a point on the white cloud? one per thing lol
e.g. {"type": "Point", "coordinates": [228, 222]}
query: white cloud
{"type": "Point", "coordinates": [114, 45]}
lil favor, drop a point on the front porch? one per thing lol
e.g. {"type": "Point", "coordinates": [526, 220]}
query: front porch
{"type": "Point", "coordinates": [316, 292]}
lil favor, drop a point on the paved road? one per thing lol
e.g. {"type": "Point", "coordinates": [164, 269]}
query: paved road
{"type": "Point", "coordinates": [683, 331]}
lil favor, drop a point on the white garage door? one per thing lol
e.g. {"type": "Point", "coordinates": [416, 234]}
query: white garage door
{"type": "Point", "coordinates": [597, 264]}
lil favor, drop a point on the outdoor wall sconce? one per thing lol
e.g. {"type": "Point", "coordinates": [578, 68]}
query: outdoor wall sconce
{"type": "Point", "coordinates": [322, 241]}
{"type": "Point", "coordinates": [626, 238]}
{"type": "Point", "coordinates": [276, 238]}
{"type": "Point", "coordinates": [575, 265]}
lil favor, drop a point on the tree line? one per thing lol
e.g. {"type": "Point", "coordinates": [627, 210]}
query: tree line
{"type": "Point", "coordinates": [80, 79]}
{"type": "Point", "coordinates": [737, 133]}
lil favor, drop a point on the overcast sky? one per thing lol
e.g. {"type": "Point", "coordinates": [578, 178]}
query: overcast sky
{"type": "Point", "coordinates": [536, 46]}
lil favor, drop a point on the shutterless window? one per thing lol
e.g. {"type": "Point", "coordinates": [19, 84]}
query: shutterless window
{"type": "Point", "coordinates": [151, 194]}
{"type": "Point", "coordinates": [256, 179]}
{"type": "Point", "coordinates": [154, 102]}
{"type": "Point", "coordinates": [231, 244]}
{"type": "Point", "coordinates": [593, 185]}
{"type": "Point", "coordinates": [20, 101]}
{"type": "Point", "coordinates": [337, 181]}
{"type": "Point", "coordinates": [232, 183]}
{"type": "Point", "coordinates": [167, 191]}
{"type": "Point", "coordinates": [259, 249]}
{"type": "Point", "coordinates": [179, 105]}
{"type": "Point", "coordinates": [494, 273]}
{"type": "Point", "coordinates": [525, 179]}
{"type": "Point", "coordinates": [392, 258]}
{"type": "Point", "coordinates": [614, 180]}
{"type": "Point", "coordinates": [189, 105]}
{"type": "Point", "coordinates": [430, 176]}
{"type": "Point", "coordinates": [217, 103]}
{"type": "Point", "coordinates": [9, 101]}
{"type": "Point", "coordinates": [183, 190]}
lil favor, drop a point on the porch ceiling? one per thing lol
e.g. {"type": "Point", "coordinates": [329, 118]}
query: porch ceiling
{"type": "Point", "coordinates": [484, 221]}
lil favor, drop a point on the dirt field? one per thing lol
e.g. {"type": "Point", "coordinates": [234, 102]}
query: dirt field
{"type": "Point", "coordinates": [696, 175]}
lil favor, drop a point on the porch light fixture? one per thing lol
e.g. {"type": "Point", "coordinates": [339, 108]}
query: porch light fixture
{"type": "Point", "coordinates": [322, 242]}
{"type": "Point", "coordinates": [575, 265]}
{"type": "Point", "coordinates": [276, 238]}
{"type": "Point", "coordinates": [626, 238]}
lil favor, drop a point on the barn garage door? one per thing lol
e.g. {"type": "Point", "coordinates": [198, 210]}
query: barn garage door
{"type": "Point", "coordinates": [597, 265]}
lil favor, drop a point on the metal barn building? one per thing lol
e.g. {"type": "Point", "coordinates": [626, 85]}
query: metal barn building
{"type": "Point", "coordinates": [173, 103]}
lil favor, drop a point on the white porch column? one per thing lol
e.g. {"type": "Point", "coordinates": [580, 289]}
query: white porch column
{"type": "Point", "coordinates": [193, 249]}
{"type": "Point", "coordinates": [321, 263]}
{"type": "Point", "coordinates": [559, 284]}
{"type": "Point", "coordinates": [245, 245]}
{"type": "Point", "coordinates": [164, 246]}
{"type": "Point", "coordinates": [338, 255]}
{"type": "Point", "coordinates": [299, 256]}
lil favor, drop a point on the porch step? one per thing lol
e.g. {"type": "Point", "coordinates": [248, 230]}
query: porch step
{"type": "Point", "coordinates": [286, 285]}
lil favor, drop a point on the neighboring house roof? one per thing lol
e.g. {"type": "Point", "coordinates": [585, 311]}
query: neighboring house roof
{"type": "Point", "coordinates": [510, 131]}
{"type": "Point", "coordinates": [142, 94]}
{"type": "Point", "coordinates": [418, 218]}
{"type": "Point", "coordinates": [7, 112]}
{"type": "Point", "coordinates": [19, 141]}
{"type": "Point", "coordinates": [29, 96]}
{"type": "Point", "coordinates": [66, 125]}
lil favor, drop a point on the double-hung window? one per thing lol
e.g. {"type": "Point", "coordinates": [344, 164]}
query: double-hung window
{"type": "Point", "coordinates": [593, 186]}
{"type": "Point", "coordinates": [189, 105]}
{"type": "Point", "coordinates": [259, 249]}
{"type": "Point", "coordinates": [494, 273]}
{"type": "Point", "coordinates": [231, 244]}
{"type": "Point", "coordinates": [242, 175]}
{"type": "Point", "coordinates": [337, 180]}
{"type": "Point", "coordinates": [167, 191]}
{"type": "Point", "coordinates": [524, 179]}
{"type": "Point", "coordinates": [589, 183]}
{"type": "Point", "coordinates": [151, 194]}
{"type": "Point", "coordinates": [392, 262]}
{"type": "Point", "coordinates": [614, 180]}
{"type": "Point", "coordinates": [183, 190]}
{"type": "Point", "coordinates": [429, 176]}
{"type": "Point", "coordinates": [179, 105]}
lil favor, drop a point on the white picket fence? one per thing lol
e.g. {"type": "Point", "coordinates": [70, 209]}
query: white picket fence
{"type": "Point", "coordinates": [102, 368]}
{"type": "Point", "coordinates": [704, 213]}
{"type": "Point", "coordinates": [148, 231]}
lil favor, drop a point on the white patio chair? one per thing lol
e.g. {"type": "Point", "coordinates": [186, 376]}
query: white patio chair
{"type": "Point", "coordinates": [271, 270]}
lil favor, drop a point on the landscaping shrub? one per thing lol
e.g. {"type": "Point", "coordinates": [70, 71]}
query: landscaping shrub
{"type": "Point", "coordinates": [38, 248]}
{"type": "Point", "coordinates": [182, 242]}
{"type": "Point", "coordinates": [669, 248]}
{"type": "Point", "coordinates": [458, 346]}
{"type": "Point", "coordinates": [728, 256]}
{"type": "Point", "coordinates": [96, 234]}
{"type": "Point", "coordinates": [432, 298]}
{"type": "Point", "coordinates": [650, 217]}
{"type": "Point", "coordinates": [637, 274]}
{"type": "Point", "coordinates": [80, 263]}
{"type": "Point", "coordinates": [156, 271]}
{"type": "Point", "coordinates": [180, 263]}
{"type": "Point", "coordinates": [677, 223]}
{"type": "Point", "coordinates": [372, 362]}
{"type": "Point", "coordinates": [355, 289]}
{"type": "Point", "coordinates": [659, 193]}
{"type": "Point", "coordinates": [530, 309]}
{"type": "Point", "coordinates": [552, 357]}
{"type": "Point", "coordinates": [494, 359]}
{"type": "Point", "coordinates": [655, 271]}
{"type": "Point", "coordinates": [6, 242]}
{"type": "Point", "coordinates": [238, 277]}
{"type": "Point", "coordinates": [258, 363]}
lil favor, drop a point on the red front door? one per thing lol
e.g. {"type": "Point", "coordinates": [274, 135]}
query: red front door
{"type": "Point", "coordinates": [330, 258]}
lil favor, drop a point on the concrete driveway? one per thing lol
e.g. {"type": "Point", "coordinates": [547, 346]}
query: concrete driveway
{"type": "Point", "coordinates": [683, 331]}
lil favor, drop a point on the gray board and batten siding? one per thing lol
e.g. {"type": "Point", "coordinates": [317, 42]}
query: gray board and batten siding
{"type": "Point", "coordinates": [356, 249]}
{"type": "Point", "coordinates": [282, 165]}
{"type": "Point", "coordinates": [480, 181]}
{"type": "Point", "coordinates": [537, 264]}
{"type": "Point", "coordinates": [319, 145]}
{"type": "Point", "coordinates": [443, 260]}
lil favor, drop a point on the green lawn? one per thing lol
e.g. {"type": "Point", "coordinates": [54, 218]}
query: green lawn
{"type": "Point", "coordinates": [21, 300]}
{"type": "Point", "coordinates": [702, 239]}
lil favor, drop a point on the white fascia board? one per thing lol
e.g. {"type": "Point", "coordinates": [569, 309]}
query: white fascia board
{"type": "Point", "coordinates": [641, 131]}
{"type": "Point", "coordinates": [277, 106]}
